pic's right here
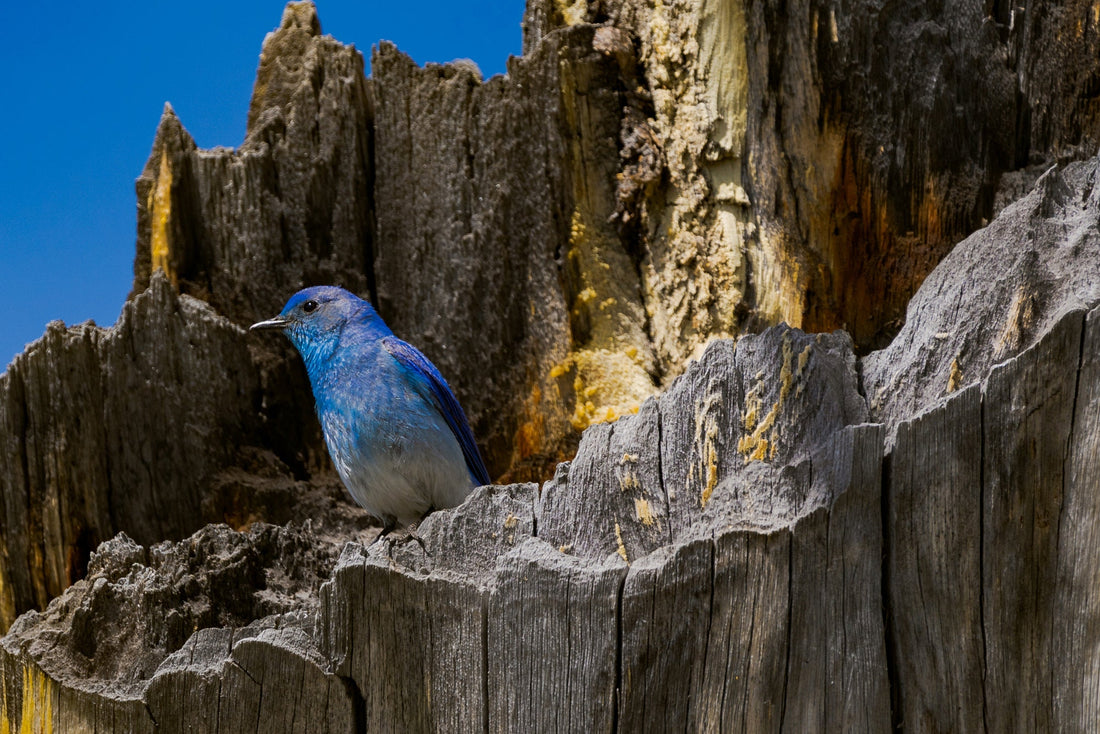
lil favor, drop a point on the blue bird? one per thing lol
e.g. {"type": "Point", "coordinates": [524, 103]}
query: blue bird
{"type": "Point", "coordinates": [393, 428]}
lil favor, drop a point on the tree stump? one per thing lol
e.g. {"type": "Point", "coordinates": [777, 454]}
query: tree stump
{"type": "Point", "coordinates": [704, 518]}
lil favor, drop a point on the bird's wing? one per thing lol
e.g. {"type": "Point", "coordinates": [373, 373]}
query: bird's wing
{"type": "Point", "coordinates": [411, 358]}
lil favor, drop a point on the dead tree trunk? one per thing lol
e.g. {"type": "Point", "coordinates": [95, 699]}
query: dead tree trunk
{"type": "Point", "coordinates": [790, 533]}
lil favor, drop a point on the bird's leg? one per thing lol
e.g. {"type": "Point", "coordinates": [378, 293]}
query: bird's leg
{"type": "Point", "coordinates": [388, 524]}
{"type": "Point", "coordinates": [410, 533]}
{"type": "Point", "coordinates": [422, 518]}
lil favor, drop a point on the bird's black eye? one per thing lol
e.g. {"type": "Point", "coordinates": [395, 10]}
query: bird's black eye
{"type": "Point", "coordinates": [309, 306]}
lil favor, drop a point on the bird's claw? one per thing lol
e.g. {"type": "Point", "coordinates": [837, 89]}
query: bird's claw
{"type": "Point", "coordinates": [409, 536]}
{"type": "Point", "coordinates": [399, 538]}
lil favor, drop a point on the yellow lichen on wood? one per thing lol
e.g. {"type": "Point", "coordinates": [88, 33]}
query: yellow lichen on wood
{"type": "Point", "coordinates": [619, 540]}
{"type": "Point", "coordinates": [804, 358]}
{"type": "Point", "coordinates": [573, 13]}
{"type": "Point", "coordinates": [954, 377]}
{"type": "Point", "coordinates": [37, 713]}
{"type": "Point", "coordinates": [755, 445]}
{"type": "Point", "coordinates": [510, 523]}
{"type": "Point", "coordinates": [712, 474]}
{"type": "Point", "coordinates": [760, 453]}
{"type": "Point", "coordinates": [608, 385]}
{"type": "Point", "coordinates": [7, 603]}
{"type": "Point", "coordinates": [1021, 316]}
{"type": "Point", "coordinates": [643, 511]}
{"type": "Point", "coordinates": [159, 205]}
{"type": "Point", "coordinates": [704, 446]}
{"type": "Point", "coordinates": [587, 295]}
{"type": "Point", "coordinates": [752, 407]}
{"type": "Point", "coordinates": [627, 481]}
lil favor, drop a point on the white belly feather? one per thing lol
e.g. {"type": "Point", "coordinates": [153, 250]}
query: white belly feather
{"type": "Point", "coordinates": [398, 466]}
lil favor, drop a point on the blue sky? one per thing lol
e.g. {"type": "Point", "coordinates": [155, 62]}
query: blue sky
{"type": "Point", "coordinates": [83, 87]}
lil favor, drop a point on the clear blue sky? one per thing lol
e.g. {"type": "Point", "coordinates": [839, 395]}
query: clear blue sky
{"type": "Point", "coordinates": [83, 87]}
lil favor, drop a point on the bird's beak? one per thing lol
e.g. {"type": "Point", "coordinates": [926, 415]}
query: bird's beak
{"type": "Point", "coordinates": [276, 323]}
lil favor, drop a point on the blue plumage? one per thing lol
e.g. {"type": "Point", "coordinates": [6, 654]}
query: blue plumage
{"type": "Point", "coordinates": [394, 429]}
{"type": "Point", "coordinates": [412, 358]}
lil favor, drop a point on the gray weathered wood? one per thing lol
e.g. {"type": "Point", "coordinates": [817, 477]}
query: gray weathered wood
{"type": "Point", "coordinates": [933, 514]}
{"type": "Point", "coordinates": [1043, 257]}
{"type": "Point", "coordinates": [208, 634]}
{"type": "Point", "coordinates": [630, 502]}
{"type": "Point", "coordinates": [984, 537]}
{"type": "Point", "coordinates": [224, 680]}
{"type": "Point", "coordinates": [408, 624]}
{"type": "Point", "coordinates": [1075, 646]}
{"type": "Point", "coordinates": [836, 665]}
{"type": "Point", "coordinates": [744, 683]}
{"type": "Point", "coordinates": [120, 429]}
{"type": "Point", "coordinates": [552, 641]}
{"type": "Point", "coordinates": [561, 240]}
{"type": "Point", "coordinates": [666, 609]}
{"type": "Point", "coordinates": [738, 435]}
{"type": "Point", "coordinates": [1027, 416]}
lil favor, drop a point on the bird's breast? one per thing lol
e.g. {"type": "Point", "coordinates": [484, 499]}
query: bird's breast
{"type": "Point", "coordinates": [392, 448]}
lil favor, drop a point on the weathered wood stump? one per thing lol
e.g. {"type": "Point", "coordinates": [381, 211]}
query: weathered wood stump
{"type": "Point", "coordinates": [754, 528]}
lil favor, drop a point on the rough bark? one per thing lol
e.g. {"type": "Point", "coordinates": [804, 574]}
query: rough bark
{"type": "Point", "coordinates": [819, 160]}
{"type": "Point", "coordinates": [741, 552]}
{"type": "Point", "coordinates": [681, 172]}
{"type": "Point", "coordinates": [1045, 253]}
{"type": "Point", "coordinates": [489, 623]}
{"type": "Point", "coordinates": [116, 429]}
{"type": "Point", "coordinates": [245, 228]}
{"type": "Point", "coordinates": [211, 634]}
{"type": "Point", "coordinates": [534, 310]}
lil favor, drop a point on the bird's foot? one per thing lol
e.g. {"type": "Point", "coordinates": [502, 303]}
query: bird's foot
{"type": "Point", "coordinates": [388, 526]}
{"type": "Point", "coordinates": [398, 538]}
{"type": "Point", "coordinates": [403, 537]}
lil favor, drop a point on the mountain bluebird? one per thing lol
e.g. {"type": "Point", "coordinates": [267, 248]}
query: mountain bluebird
{"type": "Point", "coordinates": [394, 429]}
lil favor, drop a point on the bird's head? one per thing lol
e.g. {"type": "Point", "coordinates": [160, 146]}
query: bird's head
{"type": "Point", "coordinates": [315, 318]}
